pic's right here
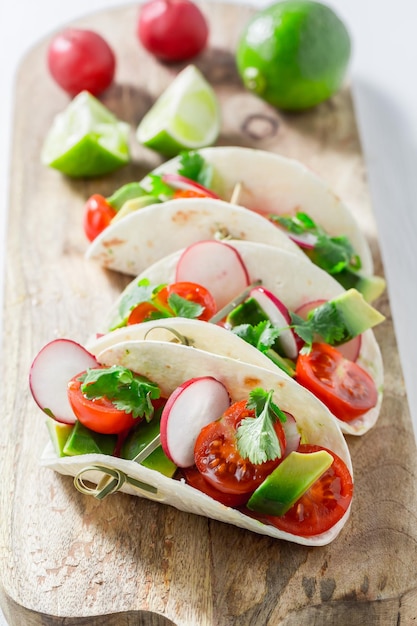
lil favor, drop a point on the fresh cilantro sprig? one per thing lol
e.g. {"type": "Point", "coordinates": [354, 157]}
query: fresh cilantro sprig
{"type": "Point", "coordinates": [325, 321]}
{"type": "Point", "coordinates": [256, 436]}
{"type": "Point", "coordinates": [262, 336]}
{"type": "Point", "coordinates": [128, 392]}
{"type": "Point", "coordinates": [144, 292]}
{"type": "Point", "coordinates": [194, 167]}
{"type": "Point", "coordinates": [333, 254]}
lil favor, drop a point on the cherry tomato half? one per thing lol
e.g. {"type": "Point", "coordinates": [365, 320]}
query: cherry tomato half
{"type": "Point", "coordinates": [196, 480]}
{"type": "Point", "coordinates": [189, 291]}
{"type": "Point", "coordinates": [98, 414]}
{"type": "Point", "coordinates": [172, 30]}
{"type": "Point", "coordinates": [98, 214]}
{"type": "Point", "coordinates": [81, 60]}
{"type": "Point", "coordinates": [217, 457]}
{"type": "Point", "coordinates": [342, 385]}
{"type": "Point", "coordinates": [323, 505]}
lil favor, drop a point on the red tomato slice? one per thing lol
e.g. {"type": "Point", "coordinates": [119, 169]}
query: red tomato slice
{"type": "Point", "coordinates": [217, 457]}
{"type": "Point", "coordinates": [196, 480]}
{"type": "Point", "coordinates": [189, 291]}
{"type": "Point", "coordinates": [342, 385]}
{"type": "Point", "coordinates": [323, 505]}
{"type": "Point", "coordinates": [98, 214]}
{"type": "Point", "coordinates": [98, 414]}
{"type": "Point", "coordinates": [189, 193]}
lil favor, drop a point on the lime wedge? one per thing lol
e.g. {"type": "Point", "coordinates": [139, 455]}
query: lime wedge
{"type": "Point", "coordinates": [186, 116]}
{"type": "Point", "coordinates": [86, 139]}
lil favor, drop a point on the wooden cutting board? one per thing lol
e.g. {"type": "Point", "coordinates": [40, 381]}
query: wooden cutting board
{"type": "Point", "coordinates": [67, 558]}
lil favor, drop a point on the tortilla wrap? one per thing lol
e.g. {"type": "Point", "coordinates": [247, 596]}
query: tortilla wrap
{"type": "Point", "coordinates": [269, 183]}
{"type": "Point", "coordinates": [171, 365]}
{"type": "Point", "coordinates": [143, 237]}
{"type": "Point", "coordinates": [295, 282]}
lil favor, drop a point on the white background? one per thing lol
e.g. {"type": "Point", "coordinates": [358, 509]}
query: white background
{"type": "Point", "coordinates": [383, 74]}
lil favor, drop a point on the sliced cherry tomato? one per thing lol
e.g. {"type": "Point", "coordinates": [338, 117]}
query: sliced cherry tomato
{"type": "Point", "coordinates": [189, 193]}
{"type": "Point", "coordinates": [98, 414]}
{"type": "Point", "coordinates": [79, 60]}
{"type": "Point", "coordinates": [98, 214]}
{"type": "Point", "coordinates": [323, 505]}
{"type": "Point", "coordinates": [196, 480]}
{"type": "Point", "coordinates": [217, 457]}
{"type": "Point", "coordinates": [188, 291]}
{"type": "Point", "coordinates": [342, 385]}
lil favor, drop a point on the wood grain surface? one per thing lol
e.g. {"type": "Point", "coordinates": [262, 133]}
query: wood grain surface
{"type": "Point", "coordinates": [68, 559]}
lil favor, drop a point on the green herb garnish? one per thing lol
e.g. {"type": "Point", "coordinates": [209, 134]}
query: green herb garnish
{"type": "Point", "coordinates": [333, 254]}
{"type": "Point", "coordinates": [194, 167]}
{"type": "Point", "coordinates": [256, 436]}
{"type": "Point", "coordinates": [262, 336]}
{"type": "Point", "coordinates": [128, 392]}
{"type": "Point", "coordinates": [325, 322]}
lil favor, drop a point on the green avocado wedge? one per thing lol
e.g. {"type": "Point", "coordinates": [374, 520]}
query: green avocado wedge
{"type": "Point", "coordinates": [289, 481]}
{"type": "Point", "coordinates": [59, 433]}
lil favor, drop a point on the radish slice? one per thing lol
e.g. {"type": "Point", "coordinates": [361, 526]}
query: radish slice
{"type": "Point", "coordinates": [189, 408]}
{"type": "Point", "coordinates": [215, 265]}
{"type": "Point", "coordinates": [306, 240]}
{"type": "Point", "coordinates": [176, 181]}
{"type": "Point", "coordinates": [278, 314]}
{"type": "Point", "coordinates": [50, 373]}
{"type": "Point", "coordinates": [292, 434]}
{"type": "Point", "coordinates": [351, 349]}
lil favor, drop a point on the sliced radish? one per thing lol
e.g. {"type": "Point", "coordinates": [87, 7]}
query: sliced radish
{"type": "Point", "coordinates": [192, 405]}
{"type": "Point", "coordinates": [215, 265]}
{"type": "Point", "coordinates": [308, 241]}
{"type": "Point", "coordinates": [50, 373]}
{"type": "Point", "coordinates": [278, 314]}
{"type": "Point", "coordinates": [351, 349]}
{"type": "Point", "coordinates": [292, 434]}
{"type": "Point", "coordinates": [177, 181]}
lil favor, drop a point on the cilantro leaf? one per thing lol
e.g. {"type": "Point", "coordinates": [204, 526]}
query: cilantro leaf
{"type": "Point", "coordinates": [256, 436]}
{"type": "Point", "coordinates": [324, 322]}
{"type": "Point", "coordinates": [128, 392]}
{"type": "Point", "coordinates": [262, 336]}
{"type": "Point", "coordinates": [194, 167]}
{"type": "Point", "coordinates": [333, 254]}
{"type": "Point", "coordinates": [159, 188]}
{"type": "Point", "coordinates": [137, 293]}
{"type": "Point", "coordinates": [181, 307]}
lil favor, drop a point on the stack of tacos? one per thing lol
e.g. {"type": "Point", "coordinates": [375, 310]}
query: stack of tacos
{"type": "Point", "coordinates": [250, 303]}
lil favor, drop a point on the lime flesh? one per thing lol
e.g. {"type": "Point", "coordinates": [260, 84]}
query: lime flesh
{"type": "Point", "coordinates": [186, 116]}
{"type": "Point", "coordinates": [294, 54]}
{"type": "Point", "coordinates": [86, 139]}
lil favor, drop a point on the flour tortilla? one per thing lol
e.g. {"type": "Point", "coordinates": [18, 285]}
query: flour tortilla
{"type": "Point", "coordinates": [295, 281]}
{"type": "Point", "coordinates": [143, 237]}
{"type": "Point", "coordinates": [269, 183]}
{"type": "Point", "coordinates": [169, 365]}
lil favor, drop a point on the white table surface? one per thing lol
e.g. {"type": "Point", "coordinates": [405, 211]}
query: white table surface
{"type": "Point", "coordinates": [383, 76]}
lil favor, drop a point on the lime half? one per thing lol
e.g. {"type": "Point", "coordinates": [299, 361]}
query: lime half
{"type": "Point", "coordinates": [186, 116]}
{"type": "Point", "coordinates": [86, 139]}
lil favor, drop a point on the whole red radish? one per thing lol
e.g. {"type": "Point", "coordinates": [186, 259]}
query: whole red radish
{"type": "Point", "coordinates": [172, 30]}
{"type": "Point", "coordinates": [81, 60]}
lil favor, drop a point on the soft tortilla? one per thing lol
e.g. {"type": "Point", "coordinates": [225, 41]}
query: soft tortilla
{"type": "Point", "coordinates": [143, 237]}
{"type": "Point", "coordinates": [270, 183]}
{"type": "Point", "coordinates": [294, 281]}
{"type": "Point", "coordinates": [171, 365]}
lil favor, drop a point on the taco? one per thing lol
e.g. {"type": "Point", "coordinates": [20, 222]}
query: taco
{"type": "Point", "coordinates": [282, 190]}
{"type": "Point", "coordinates": [291, 288]}
{"type": "Point", "coordinates": [288, 451]}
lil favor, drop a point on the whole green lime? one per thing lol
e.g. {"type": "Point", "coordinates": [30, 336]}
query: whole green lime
{"type": "Point", "coordinates": [294, 54]}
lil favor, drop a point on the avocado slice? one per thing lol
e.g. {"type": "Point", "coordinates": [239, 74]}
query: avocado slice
{"type": "Point", "coordinates": [125, 193]}
{"type": "Point", "coordinates": [130, 206]}
{"type": "Point", "coordinates": [371, 287]}
{"type": "Point", "coordinates": [139, 438]}
{"type": "Point", "coordinates": [248, 312]}
{"type": "Point", "coordinates": [289, 481]}
{"type": "Point", "coordinates": [352, 313]}
{"type": "Point", "coordinates": [82, 440]}
{"type": "Point", "coordinates": [58, 433]}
